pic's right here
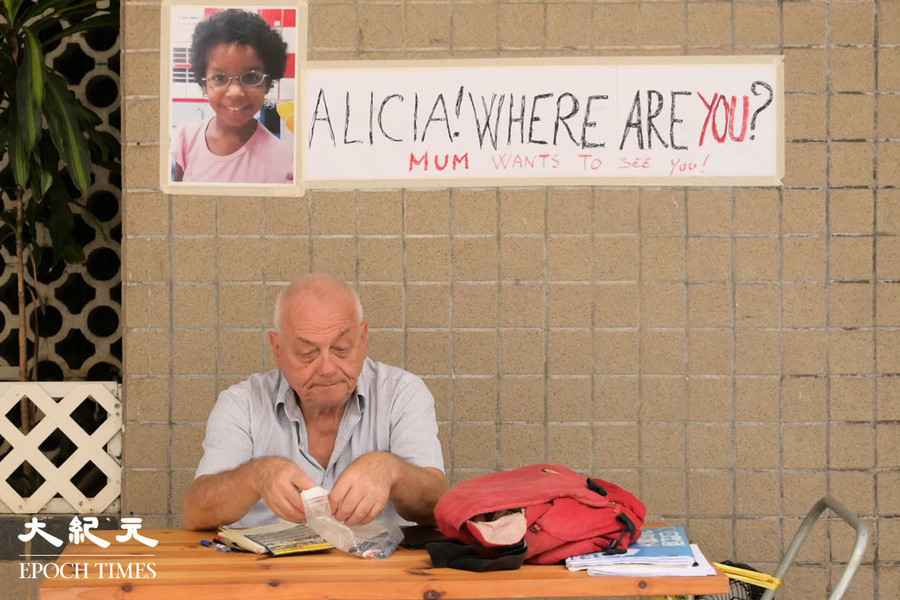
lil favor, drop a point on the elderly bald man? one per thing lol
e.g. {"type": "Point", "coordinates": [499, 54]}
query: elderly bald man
{"type": "Point", "coordinates": [328, 416]}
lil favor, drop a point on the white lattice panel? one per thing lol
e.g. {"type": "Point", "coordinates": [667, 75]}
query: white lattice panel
{"type": "Point", "coordinates": [57, 400]}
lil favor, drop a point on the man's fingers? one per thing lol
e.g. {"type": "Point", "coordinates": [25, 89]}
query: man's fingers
{"type": "Point", "coordinates": [284, 500]}
{"type": "Point", "coordinates": [291, 496]}
{"type": "Point", "coordinates": [376, 510]}
{"type": "Point", "coordinates": [338, 495]}
{"type": "Point", "coordinates": [288, 510]}
{"type": "Point", "coordinates": [301, 480]}
{"type": "Point", "coordinates": [341, 499]}
{"type": "Point", "coordinates": [348, 506]}
{"type": "Point", "coordinates": [362, 509]}
{"type": "Point", "coordinates": [345, 509]}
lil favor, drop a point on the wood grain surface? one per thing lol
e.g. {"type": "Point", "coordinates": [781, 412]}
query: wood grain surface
{"type": "Point", "coordinates": [185, 570]}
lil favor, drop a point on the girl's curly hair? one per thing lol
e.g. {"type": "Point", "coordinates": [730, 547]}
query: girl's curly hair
{"type": "Point", "coordinates": [235, 26]}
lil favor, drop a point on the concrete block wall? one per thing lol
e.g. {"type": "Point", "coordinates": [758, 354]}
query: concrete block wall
{"type": "Point", "coordinates": [731, 354]}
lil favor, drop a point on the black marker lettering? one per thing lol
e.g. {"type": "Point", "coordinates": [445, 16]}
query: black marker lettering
{"type": "Point", "coordinates": [347, 121]}
{"type": "Point", "coordinates": [381, 117]}
{"type": "Point", "coordinates": [561, 119]}
{"type": "Point", "coordinates": [488, 113]}
{"type": "Point", "coordinates": [431, 118]}
{"type": "Point", "coordinates": [321, 101]}
{"type": "Point", "coordinates": [534, 119]}
{"type": "Point", "coordinates": [371, 116]}
{"type": "Point", "coordinates": [634, 124]}
{"type": "Point", "coordinates": [520, 120]}
{"type": "Point", "coordinates": [673, 120]}
{"type": "Point", "coordinates": [652, 113]}
{"type": "Point", "coordinates": [416, 116]}
{"type": "Point", "coordinates": [587, 124]}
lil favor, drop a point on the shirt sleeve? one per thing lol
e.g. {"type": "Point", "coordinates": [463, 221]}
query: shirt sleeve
{"type": "Point", "coordinates": [227, 444]}
{"type": "Point", "coordinates": [414, 430]}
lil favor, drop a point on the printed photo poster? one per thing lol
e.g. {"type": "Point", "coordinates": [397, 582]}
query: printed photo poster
{"type": "Point", "coordinates": [230, 91]}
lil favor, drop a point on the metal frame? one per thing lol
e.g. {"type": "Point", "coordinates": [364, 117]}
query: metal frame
{"type": "Point", "coordinates": [862, 539]}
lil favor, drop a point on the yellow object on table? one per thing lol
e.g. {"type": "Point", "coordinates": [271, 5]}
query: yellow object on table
{"type": "Point", "coordinates": [747, 576]}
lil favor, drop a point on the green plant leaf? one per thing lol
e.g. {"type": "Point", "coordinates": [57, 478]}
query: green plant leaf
{"type": "Point", "coordinates": [39, 8]}
{"type": "Point", "coordinates": [33, 62]}
{"type": "Point", "coordinates": [30, 91]}
{"type": "Point", "coordinates": [49, 155]}
{"type": "Point", "coordinates": [88, 117]}
{"type": "Point", "coordinates": [61, 225]}
{"type": "Point", "coordinates": [11, 7]}
{"type": "Point", "coordinates": [73, 13]}
{"type": "Point", "coordinates": [105, 20]}
{"type": "Point", "coordinates": [96, 223]}
{"type": "Point", "coordinates": [46, 181]}
{"type": "Point", "coordinates": [60, 110]}
{"type": "Point", "coordinates": [104, 147]}
{"type": "Point", "coordinates": [34, 182]}
{"type": "Point", "coordinates": [18, 158]}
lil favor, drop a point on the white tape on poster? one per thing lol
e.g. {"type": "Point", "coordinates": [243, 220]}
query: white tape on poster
{"type": "Point", "coordinates": [581, 121]}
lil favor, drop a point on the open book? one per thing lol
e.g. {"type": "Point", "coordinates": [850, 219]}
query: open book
{"type": "Point", "coordinates": [276, 539]}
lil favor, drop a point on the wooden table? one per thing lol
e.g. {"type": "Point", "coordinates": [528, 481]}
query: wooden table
{"type": "Point", "coordinates": [186, 570]}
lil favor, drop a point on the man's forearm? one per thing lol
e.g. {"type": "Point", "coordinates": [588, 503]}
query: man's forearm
{"type": "Point", "coordinates": [416, 490]}
{"type": "Point", "coordinates": [214, 500]}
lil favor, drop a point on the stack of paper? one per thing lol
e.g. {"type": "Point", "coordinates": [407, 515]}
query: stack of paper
{"type": "Point", "coordinates": [660, 551]}
{"type": "Point", "coordinates": [699, 568]}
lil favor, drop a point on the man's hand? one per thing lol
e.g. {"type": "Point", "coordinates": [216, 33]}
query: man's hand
{"type": "Point", "coordinates": [221, 498]}
{"type": "Point", "coordinates": [279, 482]}
{"type": "Point", "coordinates": [363, 489]}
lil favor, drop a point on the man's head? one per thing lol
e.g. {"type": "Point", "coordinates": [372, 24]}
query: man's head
{"type": "Point", "coordinates": [320, 340]}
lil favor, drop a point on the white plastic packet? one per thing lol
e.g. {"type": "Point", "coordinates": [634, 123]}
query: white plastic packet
{"type": "Point", "coordinates": [376, 539]}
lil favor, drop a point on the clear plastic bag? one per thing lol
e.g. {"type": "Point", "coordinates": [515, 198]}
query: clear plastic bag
{"type": "Point", "coordinates": [376, 539]}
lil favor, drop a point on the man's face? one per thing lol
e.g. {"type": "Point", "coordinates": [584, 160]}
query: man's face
{"type": "Point", "coordinates": [320, 349]}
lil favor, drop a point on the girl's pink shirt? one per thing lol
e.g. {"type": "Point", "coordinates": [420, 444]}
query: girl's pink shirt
{"type": "Point", "coordinates": [262, 159]}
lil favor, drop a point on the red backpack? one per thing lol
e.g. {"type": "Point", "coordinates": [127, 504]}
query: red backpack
{"type": "Point", "coordinates": [564, 514]}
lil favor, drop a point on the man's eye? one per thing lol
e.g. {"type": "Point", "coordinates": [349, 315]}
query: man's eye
{"type": "Point", "coordinates": [218, 79]}
{"type": "Point", "coordinates": [340, 350]}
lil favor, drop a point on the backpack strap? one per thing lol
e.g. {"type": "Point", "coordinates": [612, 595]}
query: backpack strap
{"type": "Point", "coordinates": [628, 528]}
{"type": "Point", "coordinates": [596, 487]}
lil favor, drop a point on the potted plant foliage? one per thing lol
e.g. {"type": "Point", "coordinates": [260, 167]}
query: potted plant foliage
{"type": "Point", "coordinates": [48, 142]}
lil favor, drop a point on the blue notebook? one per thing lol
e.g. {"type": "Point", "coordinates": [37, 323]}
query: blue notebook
{"type": "Point", "coordinates": [656, 546]}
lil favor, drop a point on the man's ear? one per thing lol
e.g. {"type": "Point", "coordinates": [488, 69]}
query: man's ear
{"type": "Point", "coordinates": [364, 336]}
{"type": "Point", "coordinates": [274, 344]}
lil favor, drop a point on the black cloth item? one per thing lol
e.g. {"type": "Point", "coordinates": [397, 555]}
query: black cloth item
{"type": "Point", "coordinates": [457, 555]}
{"type": "Point", "coordinates": [416, 536]}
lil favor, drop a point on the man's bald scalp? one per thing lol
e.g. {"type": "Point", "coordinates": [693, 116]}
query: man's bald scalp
{"type": "Point", "coordinates": [321, 285]}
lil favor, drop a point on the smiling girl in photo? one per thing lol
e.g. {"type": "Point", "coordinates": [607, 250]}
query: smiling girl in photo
{"type": "Point", "coordinates": [235, 57]}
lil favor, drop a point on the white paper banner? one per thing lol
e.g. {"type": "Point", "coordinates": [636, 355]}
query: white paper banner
{"type": "Point", "coordinates": [581, 121]}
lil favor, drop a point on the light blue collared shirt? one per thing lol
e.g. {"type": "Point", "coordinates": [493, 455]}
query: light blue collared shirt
{"type": "Point", "coordinates": [391, 411]}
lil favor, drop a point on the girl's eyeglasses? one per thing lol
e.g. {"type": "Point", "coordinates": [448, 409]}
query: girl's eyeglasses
{"type": "Point", "coordinates": [248, 79]}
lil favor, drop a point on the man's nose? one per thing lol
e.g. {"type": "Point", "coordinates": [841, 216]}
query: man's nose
{"type": "Point", "coordinates": [326, 363]}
